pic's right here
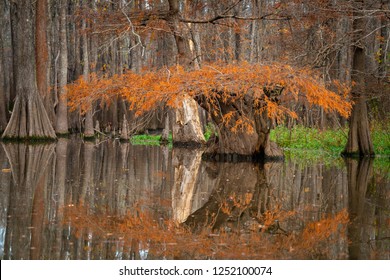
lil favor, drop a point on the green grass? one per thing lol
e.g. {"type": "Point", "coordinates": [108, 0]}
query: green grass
{"type": "Point", "coordinates": [381, 140]}
{"type": "Point", "coordinates": [150, 140]}
{"type": "Point", "coordinates": [154, 140]}
{"type": "Point", "coordinates": [309, 145]}
{"type": "Point", "coordinates": [330, 142]}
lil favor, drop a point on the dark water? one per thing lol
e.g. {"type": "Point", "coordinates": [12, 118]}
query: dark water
{"type": "Point", "coordinates": [67, 201]}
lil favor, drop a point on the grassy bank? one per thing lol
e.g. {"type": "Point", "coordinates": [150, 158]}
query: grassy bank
{"type": "Point", "coordinates": [302, 142]}
{"type": "Point", "coordinates": [310, 144]}
{"type": "Point", "coordinates": [154, 140]}
{"type": "Point", "coordinates": [150, 140]}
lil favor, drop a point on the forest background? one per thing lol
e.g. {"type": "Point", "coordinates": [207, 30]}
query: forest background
{"type": "Point", "coordinates": [129, 67]}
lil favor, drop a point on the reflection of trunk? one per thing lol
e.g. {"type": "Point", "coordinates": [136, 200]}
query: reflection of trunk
{"type": "Point", "coordinates": [37, 220]}
{"type": "Point", "coordinates": [28, 165]}
{"type": "Point", "coordinates": [59, 191]}
{"type": "Point", "coordinates": [88, 184]}
{"type": "Point", "coordinates": [359, 173]}
{"type": "Point", "coordinates": [187, 163]}
{"type": "Point", "coordinates": [123, 179]}
{"type": "Point", "coordinates": [231, 201]}
{"type": "Point", "coordinates": [5, 188]}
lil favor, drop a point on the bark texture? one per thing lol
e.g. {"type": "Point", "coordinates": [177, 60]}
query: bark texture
{"type": "Point", "coordinates": [187, 164]}
{"type": "Point", "coordinates": [186, 127]}
{"type": "Point", "coordinates": [3, 115]}
{"type": "Point", "coordinates": [242, 143]}
{"type": "Point", "coordinates": [42, 57]}
{"type": "Point", "coordinates": [88, 125]}
{"type": "Point", "coordinates": [29, 118]}
{"type": "Point", "coordinates": [62, 108]}
{"type": "Point", "coordinates": [359, 139]}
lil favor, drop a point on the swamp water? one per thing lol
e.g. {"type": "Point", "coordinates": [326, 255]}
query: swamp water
{"type": "Point", "coordinates": [112, 200]}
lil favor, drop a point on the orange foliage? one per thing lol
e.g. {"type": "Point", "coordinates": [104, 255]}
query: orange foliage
{"type": "Point", "coordinates": [216, 84]}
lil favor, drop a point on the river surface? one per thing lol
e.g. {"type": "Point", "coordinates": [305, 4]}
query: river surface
{"type": "Point", "coordinates": [112, 200]}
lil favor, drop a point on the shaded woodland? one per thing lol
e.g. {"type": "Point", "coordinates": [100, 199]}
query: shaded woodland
{"type": "Point", "coordinates": [46, 45]}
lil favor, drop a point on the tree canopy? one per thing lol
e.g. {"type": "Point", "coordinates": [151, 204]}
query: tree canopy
{"type": "Point", "coordinates": [216, 83]}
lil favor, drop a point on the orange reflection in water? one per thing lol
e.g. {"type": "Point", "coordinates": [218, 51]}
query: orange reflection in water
{"type": "Point", "coordinates": [142, 233]}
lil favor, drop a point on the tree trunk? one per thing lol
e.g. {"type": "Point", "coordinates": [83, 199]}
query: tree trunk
{"type": "Point", "coordinates": [3, 114]}
{"type": "Point", "coordinates": [165, 133]}
{"type": "Point", "coordinates": [125, 129]}
{"type": "Point", "coordinates": [62, 110]}
{"type": "Point", "coordinates": [359, 139]}
{"type": "Point", "coordinates": [42, 57]}
{"type": "Point", "coordinates": [29, 118]}
{"type": "Point", "coordinates": [88, 126]}
{"type": "Point", "coordinates": [3, 89]}
{"type": "Point", "coordinates": [359, 142]}
{"type": "Point", "coordinates": [6, 56]}
{"type": "Point", "coordinates": [186, 127]}
{"type": "Point", "coordinates": [241, 143]}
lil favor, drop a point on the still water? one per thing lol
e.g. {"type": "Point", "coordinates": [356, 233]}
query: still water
{"type": "Point", "coordinates": [112, 200]}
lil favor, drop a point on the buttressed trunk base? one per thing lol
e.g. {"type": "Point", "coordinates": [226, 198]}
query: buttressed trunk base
{"type": "Point", "coordinates": [29, 120]}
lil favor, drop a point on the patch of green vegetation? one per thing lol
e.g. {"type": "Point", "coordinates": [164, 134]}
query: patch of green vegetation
{"type": "Point", "coordinates": [150, 140]}
{"type": "Point", "coordinates": [303, 138]}
{"type": "Point", "coordinates": [381, 140]}
{"type": "Point", "coordinates": [209, 131]}
{"type": "Point", "coordinates": [154, 140]}
{"type": "Point", "coordinates": [382, 166]}
{"type": "Point", "coordinates": [310, 145]}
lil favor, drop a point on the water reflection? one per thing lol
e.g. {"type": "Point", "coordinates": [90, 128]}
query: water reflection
{"type": "Point", "coordinates": [66, 200]}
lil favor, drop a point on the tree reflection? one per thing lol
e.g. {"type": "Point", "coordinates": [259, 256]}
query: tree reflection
{"type": "Point", "coordinates": [117, 201]}
{"type": "Point", "coordinates": [186, 164]}
{"type": "Point", "coordinates": [28, 164]}
{"type": "Point", "coordinates": [369, 230]}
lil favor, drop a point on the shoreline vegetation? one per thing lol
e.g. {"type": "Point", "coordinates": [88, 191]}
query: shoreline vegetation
{"type": "Point", "coordinates": [303, 143]}
{"type": "Point", "coordinates": [300, 143]}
